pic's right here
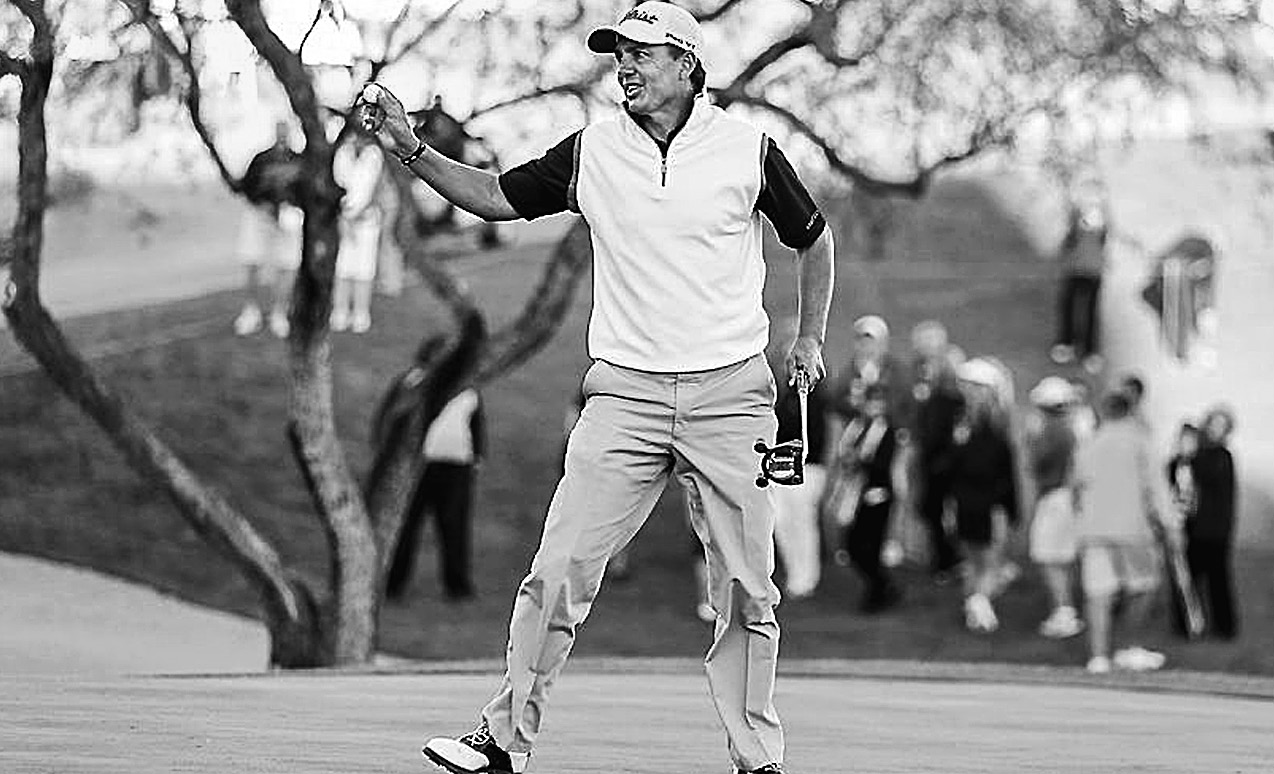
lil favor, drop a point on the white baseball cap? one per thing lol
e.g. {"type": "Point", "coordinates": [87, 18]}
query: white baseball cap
{"type": "Point", "coordinates": [979, 371]}
{"type": "Point", "coordinates": [654, 23]}
{"type": "Point", "coordinates": [1052, 391]}
{"type": "Point", "coordinates": [873, 326]}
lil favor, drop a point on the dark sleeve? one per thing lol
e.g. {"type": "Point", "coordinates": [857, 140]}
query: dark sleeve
{"type": "Point", "coordinates": [1009, 497]}
{"type": "Point", "coordinates": [542, 186]}
{"type": "Point", "coordinates": [784, 200]}
{"type": "Point", "coordinates": [478, 431]}
{"type": "Point", "coordinates": [882, 463]}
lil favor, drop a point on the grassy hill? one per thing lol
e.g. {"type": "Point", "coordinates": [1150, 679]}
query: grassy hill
{"type": "Point", "coordinates": [970, 254]}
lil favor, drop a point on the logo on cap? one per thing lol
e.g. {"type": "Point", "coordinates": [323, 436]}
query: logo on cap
{"type": "Point", "coordinates": [639, 15]}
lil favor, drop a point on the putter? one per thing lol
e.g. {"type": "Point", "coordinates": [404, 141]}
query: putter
{"type": "Point", "coordinates": [784, 463]}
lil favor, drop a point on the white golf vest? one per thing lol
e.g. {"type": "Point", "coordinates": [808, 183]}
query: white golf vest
{"type": "Point", "coordinates": [678, 271]}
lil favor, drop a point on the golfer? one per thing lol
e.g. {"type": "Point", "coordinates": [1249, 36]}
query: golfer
{"type": "Point", "coordinates": [672, 190]}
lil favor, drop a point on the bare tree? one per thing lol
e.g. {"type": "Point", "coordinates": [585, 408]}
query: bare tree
{"type": "Point", "coordinates": [309, 626]}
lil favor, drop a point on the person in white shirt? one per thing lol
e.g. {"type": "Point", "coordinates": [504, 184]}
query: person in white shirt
{"type": "Point", "coordinates": [673, 189]}
{"type": "Point", "coordinates": [357, 167]}
{"type": "Point", "coordinates": [452, 451]}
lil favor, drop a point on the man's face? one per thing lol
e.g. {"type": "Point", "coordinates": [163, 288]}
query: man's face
{"type": "Point", "coordinates": [1217, 428]}
{"type": "Point", "coordinates": [868, 347]}
{"type": "Point", "coordinates": [930, 344]}
{"type": "Point", "coordinates": [652, 76]}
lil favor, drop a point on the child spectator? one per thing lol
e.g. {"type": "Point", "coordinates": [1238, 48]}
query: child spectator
{"type": "Point", "coordinates": [983, 477]}
{"type": "Point", "coordinates": [1210, 529]}
{"type": "Point", "coordinates": [1051, 445]}
{"type": "Point", "coordinates": [1185, 499]}
{"type": "Point", "coordinates": [1181, 471]}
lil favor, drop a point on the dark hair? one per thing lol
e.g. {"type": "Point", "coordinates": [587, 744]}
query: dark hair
{"type": "Point", "coordinates": [698, 77]}
{"type": "Point", "coordinates": [1223, 411]}
{"type": "Point", "coordinates": [875, 391]}
{"type": "Point", "coordinates": [1116, 405]}
{"type": "Point", "coordinates": [1133, 383]}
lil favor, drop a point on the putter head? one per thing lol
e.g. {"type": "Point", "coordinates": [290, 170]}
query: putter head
{"type": "Point", "coordinates": [782, 463]}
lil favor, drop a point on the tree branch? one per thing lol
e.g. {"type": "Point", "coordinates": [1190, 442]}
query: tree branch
{"type": "Point", "coordinates": [914, 187]}
{"type": "Point", "coordinates": [34, 11]}
{"type": "Point", "coordinates": [144, 15]}
{"type": "Point", "coordinates": [718, 12]}
{"type": "Point", "coordinates": [287, 68]}
{"type": "Point", "coordinates": [428, 29]}
{"type": "Point", "coordinates": [578, 89]}
{"type": "Point", "coordinates": [10, 65]}
{"type": "Point", "coordinates": [773, 53]}
{"type": "Point", "coordinates": [542, 316]}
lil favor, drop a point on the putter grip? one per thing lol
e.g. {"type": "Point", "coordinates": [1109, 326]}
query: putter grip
{"type": "Point", "coordinates": [370, 116]}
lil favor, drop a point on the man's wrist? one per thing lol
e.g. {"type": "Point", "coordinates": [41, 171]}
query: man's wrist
{"type": "Point", "coordinates": [409, 157]}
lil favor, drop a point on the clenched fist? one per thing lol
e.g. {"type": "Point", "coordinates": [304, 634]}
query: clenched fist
{"type": "Point", "coordinates": [381, 114]}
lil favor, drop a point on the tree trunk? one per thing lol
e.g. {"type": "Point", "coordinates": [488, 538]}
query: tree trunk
{"type": "Point", "coordinates": [337, 498]}
{"type": "Point", "coordinates": [349, 618]}
{"type": "Point", "coordinates": [211, 515]}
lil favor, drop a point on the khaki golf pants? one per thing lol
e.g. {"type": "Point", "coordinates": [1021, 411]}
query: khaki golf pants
{"type": "Point", "coordinates": [637, 429]}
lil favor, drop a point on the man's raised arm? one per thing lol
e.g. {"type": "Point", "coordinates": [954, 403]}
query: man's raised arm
{"type": "Point", "coordinates": [474, 190]}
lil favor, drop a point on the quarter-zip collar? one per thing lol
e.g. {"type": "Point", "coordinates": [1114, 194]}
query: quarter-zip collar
{"type": "Point", "coordinates": [694, 119]}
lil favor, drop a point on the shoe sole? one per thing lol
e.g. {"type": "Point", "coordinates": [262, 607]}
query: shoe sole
{"type": "Point", "coordinates": [446, 765]}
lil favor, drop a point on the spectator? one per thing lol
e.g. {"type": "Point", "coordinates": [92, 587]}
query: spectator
{"type": "Point", "coordinates": [451, 453]}
{"type": "Point", "coordinates": [1134, 387]}
{"type": "Point", "coordinates": [1083, 257]}
{"type": "Point", "coordinates": [1210, 530]}
{"type": "Point", "coordinates": [1083, 416]}
{"type": "Point", "coordinates": [870, 363]}
{"type": "Point", "coordinates": [269, 244]}
{"type": "Point", "coordinates": [1118, 494]}
{"type": "Point", "coordinates": [1180, 470]}
{"type": "Point", "coordinates": [865, 455]}
{"type": "Point", "coordinates": [1054, 546]}
{"type": "Point", "coordinates": [796, 508]}
{"type": "Point", "coordinates": [938, 402]}
{"type": "Point", "coordinates": [357, 167]}
{"type": "Point", "coordinates": [983, 478]}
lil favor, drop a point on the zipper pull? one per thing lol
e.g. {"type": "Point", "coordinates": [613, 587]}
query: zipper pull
{"type": "Point", "coordinates": [663, 171]}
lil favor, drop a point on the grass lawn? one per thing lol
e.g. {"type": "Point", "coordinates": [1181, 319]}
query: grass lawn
{"type": "Point", "coordinates": [220, 402]}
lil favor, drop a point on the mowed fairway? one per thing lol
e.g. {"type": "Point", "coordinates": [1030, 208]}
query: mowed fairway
{"type": "Point", "coordinates": [618, 720]}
